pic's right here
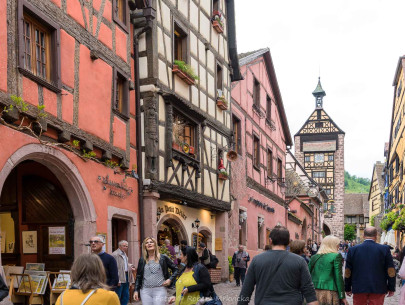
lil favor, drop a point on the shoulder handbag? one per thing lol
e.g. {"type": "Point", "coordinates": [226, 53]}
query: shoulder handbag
{"type": "Point", "coordinates": [214, 299]}
{"type": "Point", "coordinates": [84, 301]}
{"type": "Point", "coordinates": [313, 265]}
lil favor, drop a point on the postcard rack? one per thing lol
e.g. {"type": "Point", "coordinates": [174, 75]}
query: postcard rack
{"type": "Point", "coordinates": [21, 295]}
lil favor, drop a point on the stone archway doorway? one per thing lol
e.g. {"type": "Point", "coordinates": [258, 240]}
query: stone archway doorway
{"type": "Point", "coordinates": [170, 227]}
{"type": "Point", "coordinates": [326, 230]}
{"type": "Point", "coordinates": [69, 179]}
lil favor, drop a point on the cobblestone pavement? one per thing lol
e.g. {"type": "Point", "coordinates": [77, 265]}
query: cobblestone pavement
{"type": "Point", "coordinates": [228, 292]}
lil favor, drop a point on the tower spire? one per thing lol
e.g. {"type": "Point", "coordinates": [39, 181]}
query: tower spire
{"type": "Point", "coordinates": [319, 93]}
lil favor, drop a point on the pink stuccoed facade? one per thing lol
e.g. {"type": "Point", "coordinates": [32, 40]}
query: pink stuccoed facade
{"type": "Point", "coordinates": [261, 136]}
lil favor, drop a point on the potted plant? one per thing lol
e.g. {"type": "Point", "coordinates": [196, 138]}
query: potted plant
{"type": "Point", "coordinates": [217, 23]}
{"type": "Point", "coordinates": [231, 270]}
{"type": "Point", "coordinates": [222, 103]}
{"type": "Point", "coordinates": [223, 174]}
{"type": "Point", "coordinates": [184, 71]}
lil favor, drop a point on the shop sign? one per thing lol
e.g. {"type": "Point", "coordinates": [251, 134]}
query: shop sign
{"type": "Point", "coordinates": [117, 189]}
{"type": "Point", "coordinates": [262, 205]}
{"type": "Point", "coordinates": [168, 209]}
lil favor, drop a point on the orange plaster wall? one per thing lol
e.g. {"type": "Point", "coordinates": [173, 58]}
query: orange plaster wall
{"type": "Point", "coordinates": [121, 43]}
{"type": "Point", "coordinates": [107, 12]}
{"type": "Point", "coordinates": [132, 131]}
{"type": "Point", "coordinates": [67, 53]}
{"type": "Point", "coordinates": [119, 130]}
{"type": "Point", "coordinates": [57, 2]}
{"type": "Point", "coordinates": [30, 91]}
{"type": "Point", "coordinates": [3, 46]}
{"type": "Point", "coordinates": [105, 35]}
{"type": "Point", "coordinates": [75, 11]}
{"type": "Point", "coordinates": [94, 95]}
{"type": "Point", "coordinates": [132, 161]}
{"type": "Point", "coordinates": [67, 107]}
{"type": "Point", "coordinates": [50, 102]}
{"type": "Point", "coordinates": [89, 171]}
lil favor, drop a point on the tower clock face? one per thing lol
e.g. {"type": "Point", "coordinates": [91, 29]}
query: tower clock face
{"type": "Point", "coordinates": [318, 158]}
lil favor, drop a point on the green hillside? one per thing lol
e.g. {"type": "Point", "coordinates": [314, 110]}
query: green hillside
{"type": "Point", "coordinates": [355, 184]}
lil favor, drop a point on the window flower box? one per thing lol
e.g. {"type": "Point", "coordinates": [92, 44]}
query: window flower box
{"type": "Point", "coordinates": [176, 146]}
{"type": "Point", "coordinates": [222, 103]}
{"type": "Point", "coordinates": [185, 72]}
{"type": "Point", "coordinates": [218, 24]}
{"type": "Point", "coordinates": [217, 27]}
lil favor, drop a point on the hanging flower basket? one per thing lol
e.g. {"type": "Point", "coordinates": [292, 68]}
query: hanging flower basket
{"type": "Point", "coordinates": [222, 103]}
{"type": "Point", "coordinates": [223, 174]}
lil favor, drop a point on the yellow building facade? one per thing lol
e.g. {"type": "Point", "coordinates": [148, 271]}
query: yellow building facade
{"type": "Point", "coordinates": [396, 148]}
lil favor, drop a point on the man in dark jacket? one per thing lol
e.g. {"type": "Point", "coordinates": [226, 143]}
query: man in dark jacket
{"type": "Point", "coordinates": [369, 273]}
{"type": "Point", "coordinates": [278, 276]}
{"type": "Point", "coordinates": [110, 264]}
{"type": "Point", "coordinates": [239, 262]}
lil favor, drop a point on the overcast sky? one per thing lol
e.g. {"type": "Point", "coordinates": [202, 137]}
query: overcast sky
{"type": "Point", "coordinates": [354, 43]}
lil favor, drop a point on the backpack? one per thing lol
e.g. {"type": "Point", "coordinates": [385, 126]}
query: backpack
{"type": "Point", "coordinates": [213, 260]}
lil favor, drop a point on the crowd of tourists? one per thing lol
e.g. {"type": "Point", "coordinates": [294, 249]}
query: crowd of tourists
{"type": "Point", "coordinates": [289, 272]}
{"type": "Point", "coordinates": [313, 274]}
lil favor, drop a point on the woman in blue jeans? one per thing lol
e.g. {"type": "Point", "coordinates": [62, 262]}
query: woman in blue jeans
{"type": "Point", "coordinates": [153, 274]}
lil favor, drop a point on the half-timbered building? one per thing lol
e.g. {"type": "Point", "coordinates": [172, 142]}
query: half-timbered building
{"type": "Point", "coordinates": [187, 63]}
{"type": "Point", "coordinates": [261, 136]}
{"type": "Point", "coordinates": [319, 145]}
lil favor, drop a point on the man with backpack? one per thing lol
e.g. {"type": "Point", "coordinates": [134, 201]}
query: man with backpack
{"type": "Point", "coordinates": [239, 262]}
{"type": "Point", "coordinates": [209, 260]}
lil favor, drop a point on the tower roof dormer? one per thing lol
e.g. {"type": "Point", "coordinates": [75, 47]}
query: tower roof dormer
{"type": "Point", "coordinates": [319, 93]}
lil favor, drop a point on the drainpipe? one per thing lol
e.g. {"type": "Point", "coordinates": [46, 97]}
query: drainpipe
{"type": "Point", "coordinates": [148, 13]}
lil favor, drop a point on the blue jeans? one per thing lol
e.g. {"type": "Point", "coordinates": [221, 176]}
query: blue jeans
{"type": "Point", "coordinates": [123, 292]}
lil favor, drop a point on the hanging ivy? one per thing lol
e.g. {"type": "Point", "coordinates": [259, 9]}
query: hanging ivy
{"type": "Point", "coordinates": [388, 220]}
{"type": "Point", "coordinates": [372, 220]}
{"type": "Point", "coordinates": [399, 223]}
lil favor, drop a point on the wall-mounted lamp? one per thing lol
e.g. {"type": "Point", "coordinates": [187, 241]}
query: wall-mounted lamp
{"type": "Point", "coordinates": [158, 215]}
{"type": "Point", "coordinates": [195, 224]}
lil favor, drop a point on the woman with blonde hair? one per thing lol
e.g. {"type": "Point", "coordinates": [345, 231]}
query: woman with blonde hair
{"type": "Point", "coordinates": [326, 272]}
{"type": "Point", "coordinates": [88, 284]}
{"type": "Point", "coordinates": [153, 275]}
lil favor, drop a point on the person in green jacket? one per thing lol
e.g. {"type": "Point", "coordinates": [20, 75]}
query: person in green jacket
{"type": "Point", "coordinates": [326, 271]}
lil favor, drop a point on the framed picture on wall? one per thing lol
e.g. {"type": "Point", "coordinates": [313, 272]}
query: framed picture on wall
{"type": "Point", "coordinates": [29, 242]}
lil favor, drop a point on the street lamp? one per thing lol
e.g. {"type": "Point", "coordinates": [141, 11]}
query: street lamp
{"type": "Point", "coordinates": [196, 224]}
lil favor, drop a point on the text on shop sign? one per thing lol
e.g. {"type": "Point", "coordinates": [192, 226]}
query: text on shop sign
{"type": "Point", "coordinates": [262, 205]}
{"type": "Point", "coordinates": [117, 189]}
{"type": "Point", "coordinates": [167, 209]}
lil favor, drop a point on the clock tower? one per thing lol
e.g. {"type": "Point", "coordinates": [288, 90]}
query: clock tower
{"type": "Point", "coordinates": [319, 147]}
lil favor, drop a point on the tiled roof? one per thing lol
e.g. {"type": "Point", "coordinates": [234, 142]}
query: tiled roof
{"type": "Point", "coordinates": [356, 204]}
{"type": "Point", "coordinates": [245, 58]}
